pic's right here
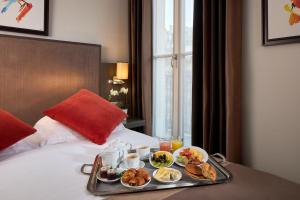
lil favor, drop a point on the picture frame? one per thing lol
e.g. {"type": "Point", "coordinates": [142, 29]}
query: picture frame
{"type": "Point", "coordinates": [25, 16]}
{"type": "Point", "coordinates": [277, 25]}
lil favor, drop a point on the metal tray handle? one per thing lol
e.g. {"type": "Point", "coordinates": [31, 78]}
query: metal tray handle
{"type": "Point", "coordinates": [219, 156]}
{"type": "Point", "coordinates": [83, 169]}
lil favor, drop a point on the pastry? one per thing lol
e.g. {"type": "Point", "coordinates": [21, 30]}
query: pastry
{"type": "Point", "coordinates": [133, 182]}
{"type": "Point", "coordinates": [135, 177]}
{"type": "Point", "coordinates": [206, 170]}
{"type": "Point", "coordinates": [209, 171]}
{"type": "Point", "coordinates": [140, 181]}
{"type": "Point", "coordinates": [194, 169]}
{"type": "Point", "coordinates": [144, 174]}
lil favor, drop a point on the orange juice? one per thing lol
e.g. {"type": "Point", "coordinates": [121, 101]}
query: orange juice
{"type": "Point", "coordinates": [176, 144]}
{"type": "Point", "coordinates": [165, 146]}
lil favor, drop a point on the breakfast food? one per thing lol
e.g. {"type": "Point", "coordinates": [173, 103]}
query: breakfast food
{"type": "Point", "coordinates": [204, 170]}
{"type": "Point", "coordinates": [136, 177]}
{"type": "Point", "coordinates": [132, 160]}
{"type": "Point", "coordinates": [190, 155]}
{"type": "Point", "coordinates": [162, 159]}
{"type": "Point", "coordinates": [103, 172]}
{"type": "Point", "coordinates": [194, 169]}
{"type": "Point", "coordinates": [111, 174]}
{"type": "Point", "coordinates": [209, 171]}
{"type": "Point", "coordinates": [108, 174]}
{"type": "Point", "coordinates": [165, 174]}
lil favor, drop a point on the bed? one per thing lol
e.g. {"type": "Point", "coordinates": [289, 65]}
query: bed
{"type": "Point", "coordinates": [53, 172]}
{"type": "Point", "coordinates": [36, 74]}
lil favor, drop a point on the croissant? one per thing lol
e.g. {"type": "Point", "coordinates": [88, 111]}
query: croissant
{"type": "Point", "coordinates": [125, 178]}
{"type": "Point", "coordinates": [141, 172]}
{"type": "Point", "coordinates": [205, 170]}
{"type": "Point", "coordinates": [140, 181]}
{"type": "Point", "coordinates": [136, 177]}
{"type": "Point", "coordinates": [194, 169]}
{"type": "Point", "coordinates": [133, 182]}
{"type": "Point", "coordinates": [209, 171]}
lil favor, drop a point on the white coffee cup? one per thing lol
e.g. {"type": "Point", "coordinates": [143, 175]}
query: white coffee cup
{"type": "Point", "coordinates": [132, 160]}
{"type": "Point", "coordinates": [143, 151]}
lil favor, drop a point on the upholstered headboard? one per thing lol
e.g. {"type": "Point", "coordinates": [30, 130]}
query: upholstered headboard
{"type": "Point", "coordinates": [36, 73]}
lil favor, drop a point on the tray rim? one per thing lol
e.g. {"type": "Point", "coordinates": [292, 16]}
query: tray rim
{"type": "Point", "coordinates": [91, 187]}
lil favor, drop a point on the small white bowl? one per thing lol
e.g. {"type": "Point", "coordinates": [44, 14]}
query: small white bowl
{"type": "Point", "coordinates": [135, 187]}
{"type": "Point", "coordinates": [168, 182]}
{"type": "Point", "coordinates": [166, 152]}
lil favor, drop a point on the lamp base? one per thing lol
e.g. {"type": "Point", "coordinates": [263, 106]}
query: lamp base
{"type": "Point", "coordinates": [116, 82]}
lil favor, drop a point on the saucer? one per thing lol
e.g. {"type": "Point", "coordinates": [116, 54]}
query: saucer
{"type": "Point", "coordinates": [105, 180]}
{"type": "Point", "coordinates": [135, 187]}
{"type": "Point", "coordinates": [124, 165]}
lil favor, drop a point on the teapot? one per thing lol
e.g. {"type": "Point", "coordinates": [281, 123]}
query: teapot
{"type": "Point", "coordinates": [115, 153]}
{"type": "Point", "coordinates": [122, 148]}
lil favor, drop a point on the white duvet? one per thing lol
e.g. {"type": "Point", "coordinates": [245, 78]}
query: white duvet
{"type": "Point", "coordinates": [53, 172]}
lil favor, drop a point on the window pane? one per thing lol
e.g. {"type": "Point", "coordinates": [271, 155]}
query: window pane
{"type": "Point", "coordinates": [162, 97]}
{"type": "Point", "coordinates": [186, 99]}
{"type": "Point", "coordinates": [187, 25]}
{"type": "Point", "coordinates": [163, 11]}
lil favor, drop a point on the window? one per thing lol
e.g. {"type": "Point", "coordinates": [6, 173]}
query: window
{"type": "Point", "coordinates": [172, 70]}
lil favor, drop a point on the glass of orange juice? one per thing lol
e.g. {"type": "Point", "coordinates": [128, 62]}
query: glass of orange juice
{"type": "Point", "coordinates": [176, 143]}
{"type": "Point", "coordinates": [165, 144]}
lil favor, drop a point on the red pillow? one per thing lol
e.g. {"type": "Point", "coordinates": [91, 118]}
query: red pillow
{"type": "Point", "coordinates": [12, 130]}
{"type": "Point", "coordinates": [89, 114]}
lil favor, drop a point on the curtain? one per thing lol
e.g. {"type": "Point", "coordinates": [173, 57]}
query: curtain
{"type": "Point", "coordinates": [140, 61]}
{"type": "Point", "coordinates": [217, 47]}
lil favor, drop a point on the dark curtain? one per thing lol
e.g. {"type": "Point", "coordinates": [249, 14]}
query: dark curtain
{"type": "Point", "coordinates": [217, 56]}
{"type": "Point", "coordinates": [140, 60]}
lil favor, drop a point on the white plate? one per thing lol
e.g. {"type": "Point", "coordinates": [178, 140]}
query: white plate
{"type": "Point", "coordinates": [105, 180]}
{"type": "Point", "coordinates": [150, 157]}
{"type": "Point", "coordinates": [123, 165]}
{"type": "Point", "coordinates": [167, 182]}
{"type": "Point", "coordinates": [135, 187]}
{"type": "Point", "coordinates": [177, 152]}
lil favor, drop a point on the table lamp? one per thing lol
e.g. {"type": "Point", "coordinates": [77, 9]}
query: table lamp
{"type": "Point", "coordinates": [121, 73]}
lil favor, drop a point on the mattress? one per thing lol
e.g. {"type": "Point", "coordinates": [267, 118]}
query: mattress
{"type": "Point", "coordinates": [53, 172]}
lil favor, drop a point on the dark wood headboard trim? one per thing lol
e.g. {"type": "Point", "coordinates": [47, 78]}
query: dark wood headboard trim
{"type": "Point", "coordinates": [49, 40]}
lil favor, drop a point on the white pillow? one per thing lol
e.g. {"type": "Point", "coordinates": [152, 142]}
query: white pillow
{"type": "Point", "coordinates": [53, 132]}
{"type": "Point", "coordinates": [29, 143]}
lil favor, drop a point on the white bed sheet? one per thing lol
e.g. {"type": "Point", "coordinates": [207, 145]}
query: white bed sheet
{"type": "Point", "coordinates": [53, 172]}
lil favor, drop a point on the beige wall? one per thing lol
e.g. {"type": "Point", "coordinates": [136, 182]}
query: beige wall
{"type": "Point", "coordinates": [271, 100]}
{"type": "Point", "coordinates": [102, 22]}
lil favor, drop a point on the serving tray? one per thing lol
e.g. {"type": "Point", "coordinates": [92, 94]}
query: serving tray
{"type": "Point", "coordinates": [103, 189]}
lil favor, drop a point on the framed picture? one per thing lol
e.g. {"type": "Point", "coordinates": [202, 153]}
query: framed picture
{"type": "Point", "coordinates": [281, 21]}
{"type": "Point", "coordinates": [24, 16]}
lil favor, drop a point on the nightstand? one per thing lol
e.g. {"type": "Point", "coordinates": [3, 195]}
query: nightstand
{"type": "Point", "coordinates": [135, 124]}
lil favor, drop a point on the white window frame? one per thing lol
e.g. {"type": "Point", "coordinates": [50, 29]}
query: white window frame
{"type": "Point", "coordinates": [176, 57]}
